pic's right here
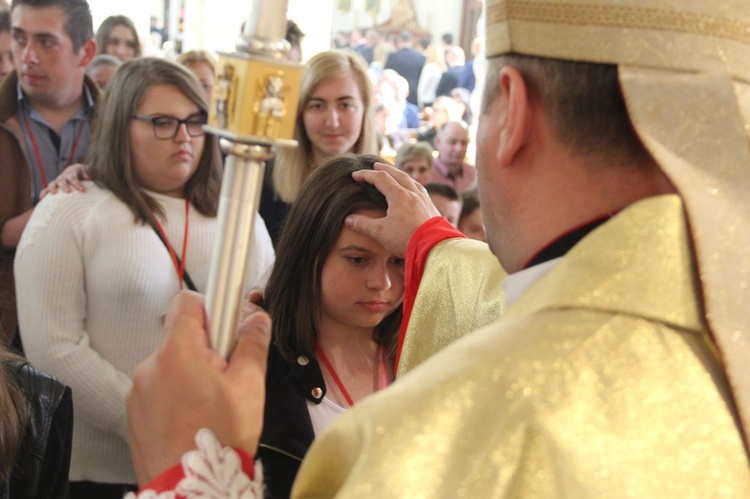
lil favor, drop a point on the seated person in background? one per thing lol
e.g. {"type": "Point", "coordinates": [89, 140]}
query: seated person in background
{"type": "Point", "coordinates": [408, 112]}
{"type": "Point", "coordinates": [336, 308]}
{"type": "Point", "coordinates": [117, 36]}
{"type": "Point", "coordinates": [463, 98]}
{"type": "Point", "coordinates": [471, 222]}
{"type": "Point", "coordinates": [35, 433]}
{"type": "Point", "coordinates": [416, 160]}
{"type": "Point", "coordinates": [446, 200]}
{"type": "Point", "coordinates": [96, 270]}
{"type": "Point", "coordinates": [203, 65]}
{"type": "Point", "coordinates": [443, 110]}
{"type": "Point", "coordinates": [450, 166]}
{"type": "Point", "coordinates": [102, 68]}
{"type": "Point", "coordinates": [387, 117]}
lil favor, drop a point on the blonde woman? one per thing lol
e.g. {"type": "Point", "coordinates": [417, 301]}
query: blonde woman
{"type": "Point", "coordinates": [432, 71]}
{"type": "Point", "coordinates": [203, 65]}
{"type": "Point", "coordinates": [334, 116]}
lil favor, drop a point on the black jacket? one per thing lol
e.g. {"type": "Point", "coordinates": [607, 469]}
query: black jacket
{"type": "Point", "coordinates": [408, 63]}
{"type": "Point", "coordinates": [272, 209]}
{"type": "Point", "coordinates": [287, 429]}
{"type": "Point", "coordinates": [43, 462]}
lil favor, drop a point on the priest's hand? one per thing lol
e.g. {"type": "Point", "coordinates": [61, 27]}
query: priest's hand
{"type": "Point", "coordinates": [185, 386]}
{"type": "Point", "coordinates": [409, 206]}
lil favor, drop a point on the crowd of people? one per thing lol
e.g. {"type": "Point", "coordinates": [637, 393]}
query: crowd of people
{"type": "Point", "coordinates": [568, 336]}
{"type": "Point", "coordinates": [87, 276]}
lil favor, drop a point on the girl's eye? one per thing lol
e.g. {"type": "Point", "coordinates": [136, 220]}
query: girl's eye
{"type": "Point", "coordinates": [357, 260]}
{"type": "Point", "coordinates": [397, 261]}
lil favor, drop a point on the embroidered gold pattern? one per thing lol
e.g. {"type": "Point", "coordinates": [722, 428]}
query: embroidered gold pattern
{"type": "Point", "coordinates": [619, 17]}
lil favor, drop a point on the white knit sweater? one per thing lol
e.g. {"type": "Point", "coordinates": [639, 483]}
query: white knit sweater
{"type": "Point", "coordinates": [93, 288]}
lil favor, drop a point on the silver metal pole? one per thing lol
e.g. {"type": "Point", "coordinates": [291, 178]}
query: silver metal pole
{"type": "Point", "coordinates": [240, 195]}
{"type": "Point", "coordinates": [253, 108]}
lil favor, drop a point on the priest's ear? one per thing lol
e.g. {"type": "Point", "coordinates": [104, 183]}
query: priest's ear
{"type": "Point", "coordinates": [517, 114]}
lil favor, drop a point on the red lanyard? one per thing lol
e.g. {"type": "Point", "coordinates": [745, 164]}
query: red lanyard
{"type": "Point", "coordinates": [38, 156]}
{"type": "Point", "coordinates": [337, 380]}
{"type": "Point", "coordinates": [179, 265]}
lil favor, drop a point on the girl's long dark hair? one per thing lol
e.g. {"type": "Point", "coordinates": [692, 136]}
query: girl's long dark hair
{"type": "Point", "coordinates": [293, 295]}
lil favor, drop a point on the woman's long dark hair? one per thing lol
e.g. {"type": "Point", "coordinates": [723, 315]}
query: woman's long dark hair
{"type": "Point", "coordinates": [293, 295]}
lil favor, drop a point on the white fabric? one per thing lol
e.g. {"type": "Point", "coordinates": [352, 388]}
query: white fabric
{"type": "Point", "coordinates": [428, 83]}
{"type": "Point", "coordinates": [93, 289]}
{"type": "Point", "coordinates": [516, 284]}
{"type": "Point", "coordinates": [211, 472]}
{"type": "Point", "coordinates": [323, 414]}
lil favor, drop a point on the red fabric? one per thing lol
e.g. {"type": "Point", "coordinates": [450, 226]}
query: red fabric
{"type": "Point", "coordinates": [433, 231]}
{"type": "Point", "coordinates": [169, 479]}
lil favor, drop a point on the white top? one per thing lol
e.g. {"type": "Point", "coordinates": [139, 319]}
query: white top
{"type": "Point", "coordinates": [517, 283]}
{"type": "Point", "coordinates": [429, 79]}
{"type": "Point", "coordinates": [323, 414]}
{"type": "Point", "coordinates": [93, 288]}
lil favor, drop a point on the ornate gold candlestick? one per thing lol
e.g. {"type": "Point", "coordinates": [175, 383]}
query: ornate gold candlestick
{"type": "Point", "coordinates": [253, 108]}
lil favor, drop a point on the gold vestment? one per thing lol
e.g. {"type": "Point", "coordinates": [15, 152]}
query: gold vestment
{"type": "Point", "coordinates": [598, 382]}
{"type": "Point", "coordinates": [460, 292]}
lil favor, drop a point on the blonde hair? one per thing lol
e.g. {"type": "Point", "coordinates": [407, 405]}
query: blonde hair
{"type": "Point", "coordinates": [294, 165]}
{"type": "Point", "coordinates": [436, 55]}
{"type": "Point", "coordinates": [411, 151]}
{"type": "Point", "coordinates": [192, 57]}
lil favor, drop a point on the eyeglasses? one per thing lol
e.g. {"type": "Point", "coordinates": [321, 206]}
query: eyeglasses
{"type": "Point", "coordinates": [166, 127]}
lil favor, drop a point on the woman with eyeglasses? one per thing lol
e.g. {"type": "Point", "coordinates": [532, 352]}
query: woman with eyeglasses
{"type": "Point", "coordinates": [96, 270]}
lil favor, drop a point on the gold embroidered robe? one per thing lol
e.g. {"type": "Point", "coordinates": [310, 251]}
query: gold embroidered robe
{"type": "Point", "coordinates": [460, 292]}
{"type": "Point", "coordinates": [598, 382]}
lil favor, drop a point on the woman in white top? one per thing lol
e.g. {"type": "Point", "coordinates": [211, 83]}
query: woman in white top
{"type": "Point", "coordinates": [96, 270]}
{"type": "Point", "coordinates": [429, 78]}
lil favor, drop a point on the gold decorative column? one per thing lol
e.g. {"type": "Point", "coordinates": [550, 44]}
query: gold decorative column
{"type": "Point", "coordinates": [252, 109]}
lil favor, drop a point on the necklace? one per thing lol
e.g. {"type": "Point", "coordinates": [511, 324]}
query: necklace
{"type": "Point", "coordinates": [38, 156]}
{"type": "Point", "coordinates": [179, 264]}
{"type": "Point", "coordinates": [340, 384]}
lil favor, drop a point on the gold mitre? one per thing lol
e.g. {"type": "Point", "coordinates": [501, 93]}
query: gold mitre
{"type": "Point", "coordinates": [684, 69]}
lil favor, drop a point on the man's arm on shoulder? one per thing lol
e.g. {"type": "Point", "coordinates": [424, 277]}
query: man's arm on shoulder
{"type": "Point", "coordinates": [12, 229]}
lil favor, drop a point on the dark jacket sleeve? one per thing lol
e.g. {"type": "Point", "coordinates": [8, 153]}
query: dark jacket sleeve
{"type": "Point", "coordinates": [42, 465]}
